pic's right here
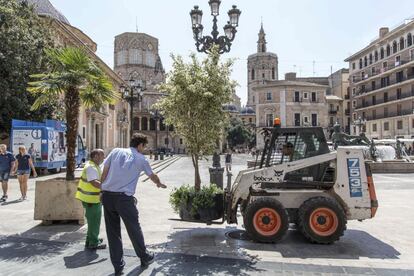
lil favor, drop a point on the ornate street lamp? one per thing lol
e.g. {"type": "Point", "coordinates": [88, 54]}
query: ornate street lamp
{"type": "Point", "coordinates": [224, 42]}
{"type": "Point", "coordinates": [133, 91]}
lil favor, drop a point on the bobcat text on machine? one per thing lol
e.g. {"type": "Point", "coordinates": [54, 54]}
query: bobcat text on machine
{"type": "Point", "coordinates": [45, 142]}
{"type": "Point", "coordinates": [299, 180]}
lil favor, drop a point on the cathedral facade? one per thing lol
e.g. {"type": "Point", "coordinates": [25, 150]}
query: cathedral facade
{"type": "Point", "coordinates": [136, 57]}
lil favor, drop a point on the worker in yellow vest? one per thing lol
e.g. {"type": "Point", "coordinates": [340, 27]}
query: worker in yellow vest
{"type": "Point", "coordinates": [89, 191]}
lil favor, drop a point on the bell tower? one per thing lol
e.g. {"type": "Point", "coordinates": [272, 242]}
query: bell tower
{"type": "Point", "coordinates": [262, 67]}
{"type": "Point", "coordinates": [261, 43]}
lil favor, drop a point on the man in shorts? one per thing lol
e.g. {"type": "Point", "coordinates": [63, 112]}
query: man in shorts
{"type": "Point", "coordinates": [7, 164]}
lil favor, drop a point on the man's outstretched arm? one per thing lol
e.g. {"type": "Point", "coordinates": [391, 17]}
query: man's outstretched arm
{"type": "Point", "coordinates": [154, 178]}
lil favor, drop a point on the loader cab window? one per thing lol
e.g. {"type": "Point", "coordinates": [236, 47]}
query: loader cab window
{"type": "Point", "coordinates": [294, 146]}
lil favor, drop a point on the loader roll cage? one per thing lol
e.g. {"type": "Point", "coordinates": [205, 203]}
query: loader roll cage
{"type": "Point", "coordinates": [290, 144]}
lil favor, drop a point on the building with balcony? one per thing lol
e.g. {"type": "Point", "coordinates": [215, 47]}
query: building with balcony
{"type": "Point", "coordinates": [381, 82]}
{"type": "Point", "coordinates": [296, 103]}
{"type": "Point", "coordinates": [338, 100]}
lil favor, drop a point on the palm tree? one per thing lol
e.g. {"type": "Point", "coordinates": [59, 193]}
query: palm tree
{"type": "Point", "coordinates": [75, 79]}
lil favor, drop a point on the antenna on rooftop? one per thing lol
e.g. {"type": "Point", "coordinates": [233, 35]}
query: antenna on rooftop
{"type": "Point", "coordinates": [136, 23]}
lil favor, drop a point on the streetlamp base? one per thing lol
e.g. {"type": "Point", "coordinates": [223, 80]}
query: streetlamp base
{"type": "Point", "coordinates": [216, 176]}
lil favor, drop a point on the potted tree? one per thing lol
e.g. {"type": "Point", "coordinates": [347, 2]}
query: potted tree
{"type": "Point", "coordinates": [75, 79]}
{"type": "Point", "coordinates": [195, 94]}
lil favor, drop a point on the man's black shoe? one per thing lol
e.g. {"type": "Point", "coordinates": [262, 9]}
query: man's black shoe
{"type": "Point", "coordinates": [95, 247]}
{"type": "Point", "coordinates": [149, 259]}
{"type": "Point", "coordinates": [119, 272]}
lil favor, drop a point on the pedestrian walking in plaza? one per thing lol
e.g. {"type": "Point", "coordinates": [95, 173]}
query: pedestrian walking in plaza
{"type": "Point", "coordinates": [89, 191]}
{"type": "Point", "coordinates": [228, 160]}
{"type": "Point", "coordinates": [7, 165]}
{"type": "Point", "coordinates": [119, 181]}
{"type": "Point", "coordinates": [23, 166]}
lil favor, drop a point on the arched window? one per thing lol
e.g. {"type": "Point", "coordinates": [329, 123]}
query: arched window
{"type": "Point", "coordinates": [365, 61]}
{"type": "Point", "coordinates": [370, 58]}
{"type": "Point", "coordinates": [402, 46]}
{"type": "Point", "coordinates": [171, 128]}
{"type": "Point", "coordinates": [136, 123]}
{"type": "Point", "coordinates": [144, 123]}
{"type": "Point", "coordinates": [360, 63]}
{"type": "Point", "coordinates": [273, 73]}
{"type": "Point", "coordinates": [394, 47]}
{"type": "Point", "coordinates": [388, 50]}
{"type": "Point", "coordinates": [382, 53]}
{"type": "Point", "coordinates": [409, 40]}
{"type": "Point", "coordinates": [376, 56]}
{"type": "Point", "coordinates": [253, 74]}
{"type": "Point", "coordinates": [152, 124]}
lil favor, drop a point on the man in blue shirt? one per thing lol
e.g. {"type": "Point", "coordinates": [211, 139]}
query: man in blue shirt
{"type": "Point", "coordinates": [7, 163]}
{"type": "Point", "coordinates": [119, 181]}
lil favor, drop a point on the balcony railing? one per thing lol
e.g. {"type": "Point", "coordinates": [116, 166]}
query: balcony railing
{"type": "Point", "coordinates": [381, 70]}
{"type": "Point", "coordinates": [347, 112]}
{"type": "Point", "coordinates": [365, 90]}
{"type": "Point", "coordinates": [392, 98]}
{"type": "Point", "coordinates": [390, 114]}
{"type": "Point", "coordinates": [346, 96]}
{"type": "Point", "coordinates": [333, 112]}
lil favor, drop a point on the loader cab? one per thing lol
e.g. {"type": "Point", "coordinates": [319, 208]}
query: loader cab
{"type": "Point", "coordinates": [284, 145]}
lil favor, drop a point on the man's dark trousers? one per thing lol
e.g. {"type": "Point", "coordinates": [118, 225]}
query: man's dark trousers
{"type": "Point", "coordinates": [119, 206]}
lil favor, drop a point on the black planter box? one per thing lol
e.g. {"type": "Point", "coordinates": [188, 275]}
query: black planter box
{"type": "Point", "coordinates": [204, 214]}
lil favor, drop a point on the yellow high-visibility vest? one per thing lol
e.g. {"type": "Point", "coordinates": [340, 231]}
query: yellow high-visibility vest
{"type": "Point", "coordinates": [86, 191]}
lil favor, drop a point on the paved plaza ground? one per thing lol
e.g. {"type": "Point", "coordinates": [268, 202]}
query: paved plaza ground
{"type": "Point", "coordinates": [381, 246]}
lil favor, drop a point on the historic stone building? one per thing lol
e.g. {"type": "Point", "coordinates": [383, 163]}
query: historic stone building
{"type": "Point", "coordinates": [136, 57]}
{"type": "Point", "coordinates": [338, 100]}
{"type": "Point", "coordinates": [261, 66]}
{"type": "Point", "coordinates": [381, 82]}
{"type": "Point", "coordinates": [296, 103]}
{"type": "Point", "coordinates": [107, 127]}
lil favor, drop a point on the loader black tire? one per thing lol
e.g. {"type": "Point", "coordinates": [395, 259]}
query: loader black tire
{"type": "Point", "coordinates": [266, 220]}
{"type": "Point", "coordinates": [322, 220]}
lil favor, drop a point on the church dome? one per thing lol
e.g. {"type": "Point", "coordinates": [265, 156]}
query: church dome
{"type": "Point", "coordinates": [247, 111]}
{"type": "Point", "coordinates": [230, 107]}
{"type": "Point", "coordinates": [45, 8]}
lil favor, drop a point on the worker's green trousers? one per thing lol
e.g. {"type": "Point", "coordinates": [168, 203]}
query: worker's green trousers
{"type": "Point", "coordinates": [93, 213]}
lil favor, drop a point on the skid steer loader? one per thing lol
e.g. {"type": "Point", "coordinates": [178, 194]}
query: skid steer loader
{"type": "Point", "coordinates": [299, 180]}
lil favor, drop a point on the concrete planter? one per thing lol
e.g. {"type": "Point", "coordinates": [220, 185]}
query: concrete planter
{"type": "Point", "coordinates": [55, 200]}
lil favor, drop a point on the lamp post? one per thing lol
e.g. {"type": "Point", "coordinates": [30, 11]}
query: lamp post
{"type": "Point", "coordinates": [224, 42]}
{"type": "Point", "coordinates": [133, 91]}
{"type": "Point", "coordinates": [204, 44]}
{"type": "Point", "coordinates": [156, 115]}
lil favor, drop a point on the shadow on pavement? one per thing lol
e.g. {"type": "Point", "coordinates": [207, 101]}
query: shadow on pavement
{"type": "Point", "coordinates": [353, 245]}
{"type": "Point", "coordinates": [213, 241]}
{"type": "Point", "coordinates": [38, 243]}
{"type": "Point", "coordinates": [11, 202]}
{"type": "Point", "coordinates": [82, 259]}
{"type": "Point", "coordinates": [183, 264]}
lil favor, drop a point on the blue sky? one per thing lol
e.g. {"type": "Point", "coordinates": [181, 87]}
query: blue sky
{"type": "Point", "coordinates": [300, 32]}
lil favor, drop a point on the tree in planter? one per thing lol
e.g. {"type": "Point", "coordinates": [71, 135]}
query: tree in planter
{"type": "Point", "coordinates": [238, 133]}
{"type": "Point", "coordinates": [195, 93]}
{"type": "Point", "coordinates": [76, 79]}
{"type": "Point", "coordinates": [23, 38]}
